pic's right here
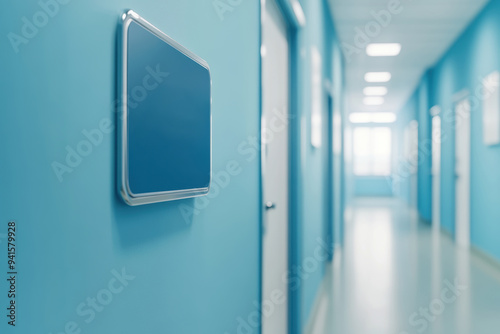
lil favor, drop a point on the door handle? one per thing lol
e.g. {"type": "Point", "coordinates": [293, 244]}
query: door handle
{"type": "Point", "coordinates": [270, 205]}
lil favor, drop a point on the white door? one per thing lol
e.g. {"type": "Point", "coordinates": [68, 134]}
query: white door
{"type": "Point", "coordinates": [413, 133]}
{"type": "Point", "coordinates": [436, 171]}
{"type": "Point", "coordinates": [462, 173]}
{"type": "Point", "coordinates": [275, 162]}
{"type": "Point", "coordinates": [337, 178]}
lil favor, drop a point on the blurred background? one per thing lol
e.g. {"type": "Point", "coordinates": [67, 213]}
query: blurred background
{"type": "Point", "coordinates": [355, 171]}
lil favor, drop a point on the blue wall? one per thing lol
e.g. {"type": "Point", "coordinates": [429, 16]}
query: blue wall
{"type": "Point", "coordinates": [194, 265]}
{"type": "Point", "coordinates": [416, 109]}
{"type": "Point", "coordinates": [310, 225]}
{"type": "Point", "coordinates": [424, 162]}
{"type": "Point", "coordinates": [402, 173]}
{"type": "Point", "coordinates": [197, 276]}
{"type": "Point", "coordinates": [370, 186]}
{"type": "Point", "coordinates": [339, 115]}
{"type": "Point", "coordinates": [474, 55]}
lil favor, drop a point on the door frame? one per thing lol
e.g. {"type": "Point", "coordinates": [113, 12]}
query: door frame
{"type": "Point", "coordinates": [435, 113]}
{"type": "Point", "coordinates": [457, 99]}
{"type": "Point", "coordinates": [460, 98]}
{"type": "Point", "coordinates": [330, 170]}
{"type": "Point", "coordinates": [414, 127]}
{"type": "Point", "coordinates": [294, 25]}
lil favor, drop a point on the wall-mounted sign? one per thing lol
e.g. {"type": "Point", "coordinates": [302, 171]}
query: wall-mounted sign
{"type": "Point", "coordinates": [164, 137]}
{"type": "Point", "coordinates": [316, 97]}
{"type": "Point", "coordinates": [491, 109]}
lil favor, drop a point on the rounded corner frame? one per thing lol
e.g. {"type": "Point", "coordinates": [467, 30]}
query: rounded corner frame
{"type": "Point", "coordinates": [128, 196]}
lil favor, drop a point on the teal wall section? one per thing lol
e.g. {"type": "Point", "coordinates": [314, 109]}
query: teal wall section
{"type": "Point", "coordinates": [198, 275]}
{"type": "Point", "coordinates": [416, 109]}
{"type": "Point", "coordinates": [193, 265]}
{"type": "Point", "coordinates": [339, 117]}
{"type": "Point", "coordinates": [474, 55]}
{"type": "Point", "coordinates": [373, 186]}
{"type": "Point", "coordinates": [310, 226]}
{"type": "Point", "coordinates": [403, 166]}
{"type": "Point", "coordinates": [312, 217]}
{"type": "Point", "coordinates": [424, 162]}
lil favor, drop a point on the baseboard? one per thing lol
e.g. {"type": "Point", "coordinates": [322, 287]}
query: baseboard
{"type": "Point", "coordinates": [446, 233]}
{"type": "Point", "coordinates": [422, 219]}
{"type": "Point", "coordinates": [319, 314]}
{"type": "Point", "coordinates": [319, 307]}
{"type": "Point", "coordinates": [486, 261]}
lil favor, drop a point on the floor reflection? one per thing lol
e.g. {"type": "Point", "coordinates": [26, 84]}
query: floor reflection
{"type": "Point", "coordinates": [398, 275]}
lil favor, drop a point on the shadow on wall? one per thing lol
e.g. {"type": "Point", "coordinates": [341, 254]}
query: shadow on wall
{"type": "Point", "coordinates": [140, 225]}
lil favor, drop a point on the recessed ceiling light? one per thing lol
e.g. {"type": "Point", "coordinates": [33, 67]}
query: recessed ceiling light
{"type": "Point", "coordinates": [372, 117]}
{"type": "Point", "coordinates": [360, 117]}
{"type": "Point", "coordinates": [384, 117]}
{"type": "Point", "coordinates": [377, 77]}
{"type": "Point", "coordinates": [375, 91]}
{"type": "Point", "coordinates": [383, 49]}
{"type": "Point", "coordinates": [373, 101]}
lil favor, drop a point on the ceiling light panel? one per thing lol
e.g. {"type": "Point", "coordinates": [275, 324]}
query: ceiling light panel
{"type": "Point", "coordinates": [375, 91]}
{"type": "Point", "coordinates": [373, 101]}
{"type": "Point", "coordinates": [383, 49]}
{"type": "Point", "coordinates": [372, 117]}
{"type": "Point", "coordinates": [378, 77]}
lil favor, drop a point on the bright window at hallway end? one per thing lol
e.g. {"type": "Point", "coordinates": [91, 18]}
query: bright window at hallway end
{"type": "Point", "coordinates": [372, 148]}
{"type": "Point", "coordinates": [372, 117]}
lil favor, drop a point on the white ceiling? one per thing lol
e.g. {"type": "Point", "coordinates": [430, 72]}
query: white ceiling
{"type": "Point", "coordinates": [425, 28]}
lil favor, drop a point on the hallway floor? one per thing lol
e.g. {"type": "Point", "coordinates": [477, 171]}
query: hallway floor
{"type": "Point", "coordinates": [398, 275]}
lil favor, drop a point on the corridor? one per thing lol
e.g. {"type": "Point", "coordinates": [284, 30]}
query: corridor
{"type": "Point", "coordinates": [398, 275]}
{"type": "Point", "coordinates": [250, 167]}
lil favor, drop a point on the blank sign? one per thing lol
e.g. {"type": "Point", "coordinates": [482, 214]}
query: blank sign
{"type": "Point", "coordinates": [491, 109]}
{"type": "Point", "coordinates": [165, 115]}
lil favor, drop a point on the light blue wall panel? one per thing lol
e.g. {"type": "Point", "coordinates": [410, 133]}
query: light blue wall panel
{"type": "Point", "coordinates": [311, 162]}
{"type": "Point", "coordinates": [372, 186]}
{"type": "Point", "coordinates": [401, 176]}
{"type": "Point", "coordinates": [424, 162]}
{"type": "Point", "coordinates": [194, 273]}
{"type": "Point", "coordinates": [474, 55]}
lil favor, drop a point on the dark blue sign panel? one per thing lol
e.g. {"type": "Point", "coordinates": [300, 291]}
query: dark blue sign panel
{"type": "Point", "coordinates": [165, 116]}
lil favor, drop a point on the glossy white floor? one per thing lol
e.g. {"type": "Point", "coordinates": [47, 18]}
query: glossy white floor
{"type": "Point", "coordinates": [398, 276]}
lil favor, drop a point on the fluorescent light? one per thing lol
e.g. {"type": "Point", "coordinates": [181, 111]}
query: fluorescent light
{"type": "Point", "coordinates": [383, 49]}
{"type": "Point", "coordinates": [384, 117]}
{"type": "Point", "coordinates": [373, 101]}
{"type": "Point", "coordinates": [360, 117]}
{"type": "Point", "coordinates": [375, 91]}
{"type": "Point", "coordinates": [377, 77]}
{"type": "Point", "coordinates": [372, 117]}
{"type": "Point", "coordinates": [299, 13]}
